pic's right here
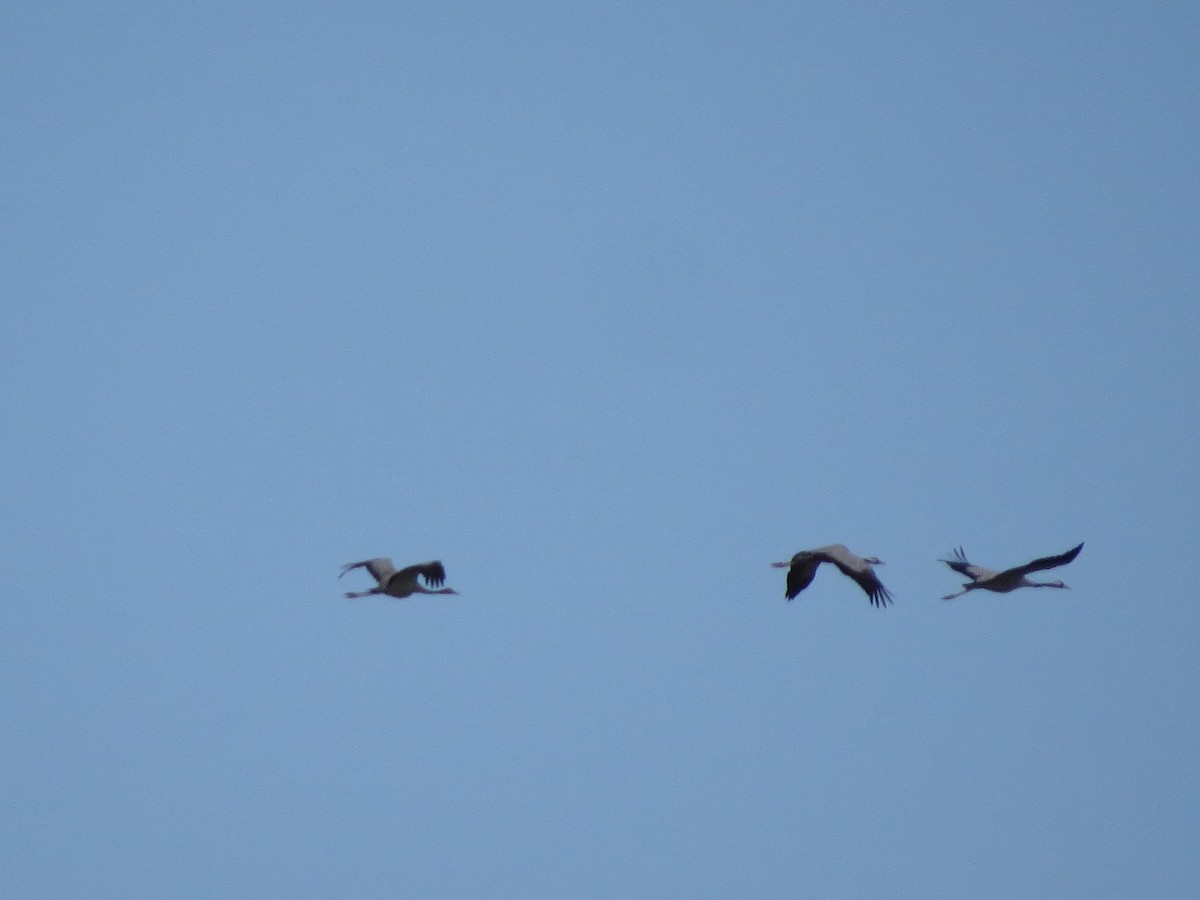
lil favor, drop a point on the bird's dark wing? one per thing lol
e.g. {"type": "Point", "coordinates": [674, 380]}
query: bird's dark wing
{"type": "Point", "coordinates": [801, 574]}
{"type": "Point", "coordinates": [433, 572]}
{"type": "Point", "coordinates": [869, 582]}
{"type": "Point", "coordinates": [960, 565]}
{"type": "Point", "coordinates": [860, 570]}
{"type": "Point", "coordinates": [1051, 562]}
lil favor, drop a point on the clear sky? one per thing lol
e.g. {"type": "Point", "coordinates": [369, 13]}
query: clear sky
{"type": "Point", "coordinates": [607, 306]}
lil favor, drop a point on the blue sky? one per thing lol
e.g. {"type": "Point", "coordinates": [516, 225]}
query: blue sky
{"type": "Point", "coordinates": [607, 306]}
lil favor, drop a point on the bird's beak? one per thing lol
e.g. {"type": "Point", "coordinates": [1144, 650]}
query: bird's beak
{"type": "Point", "coordinates": [780, 565]}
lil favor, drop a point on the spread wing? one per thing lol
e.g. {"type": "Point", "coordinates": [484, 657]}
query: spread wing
{"type": "Point", "coordinates": [1051, 562]}
{"type": "Point", "coordinates": [960, 565]}
{"type": "Point", "coordinates": [854, 566]}
{"type": "Point", "coordinates": [869, 582]}
{"type": "Point", "coordinates": [433, 572]}
{"type": "Point", "coordinates": [381, 569]}
{"type": "Point", "coordinates": [801, 574]}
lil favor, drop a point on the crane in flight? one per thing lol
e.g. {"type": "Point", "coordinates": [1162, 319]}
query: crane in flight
{"type": "Point", "coordinates": [1009, 579]}
{"type": "Point", "coordinates": [803, 568]}
{"type": "Point", "coordinates": [403, 582]}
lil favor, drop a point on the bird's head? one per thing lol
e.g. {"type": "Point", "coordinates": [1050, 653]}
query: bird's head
{"type": "Point", "coordinates": [873, 560]}
{"type": "Point", "coordinates": [1057, 584]}
{"type": "Point", "coordinates": [781, 565]}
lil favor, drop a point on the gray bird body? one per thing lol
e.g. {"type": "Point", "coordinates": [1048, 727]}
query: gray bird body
{"type": "Point", "coordinates": [400, 583]}
{"type": "Point", "coordinates": [802, 569]}
{"type": "Point", "coordinates": [1009, 579]}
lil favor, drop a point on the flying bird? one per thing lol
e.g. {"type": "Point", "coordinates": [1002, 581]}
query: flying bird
{"type": "Point", "coordinates": [1009, 579]}
{"type": "Point", "coordinates": [803, 568]}
{"type": "Point", "coordinates": [402, 583]}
